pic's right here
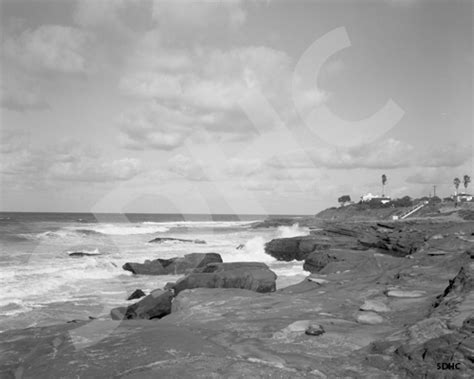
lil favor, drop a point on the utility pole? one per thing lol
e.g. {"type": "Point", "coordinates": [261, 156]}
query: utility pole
{"type": "Point", "coordinates": [434, 191]}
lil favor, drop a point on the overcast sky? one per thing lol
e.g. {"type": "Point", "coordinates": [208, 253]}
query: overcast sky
{"type": "Point", "coordinates": [206, 107]}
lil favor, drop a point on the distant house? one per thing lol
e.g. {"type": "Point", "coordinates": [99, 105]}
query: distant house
{"type": "Point", "coordinates": [462, 197]}
{"type": "Point", "coordinates": [368, 197]}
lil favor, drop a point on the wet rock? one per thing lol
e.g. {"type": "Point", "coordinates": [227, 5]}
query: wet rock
{"type": "Point", "coordinates": [118, 313]}
{"type": "Point", "coordinates": [399, 241]}
{"type": "Point", "coordinates": [155, 305]}
{"type": "Point", "coordinates": [316, 261]}
{"type": "Point", "coordinates": [253, 276]}
{"type": "Point", "coordinates": [295, 248]}
{"type": "Point", "coordinates": [167, 239]}
{"type": "Point", "coordinates": [314, 330]}
{"type": "Point", "coordinates": [229, 266]}
{"type": "Point", "coordinates": [137, 294]}
{"type": "Point", "coordinates": [274, 222]}
{"type": "Point", "coordinates": [78, 254]}
{"type": "Point", "coordinates": [174, 266]}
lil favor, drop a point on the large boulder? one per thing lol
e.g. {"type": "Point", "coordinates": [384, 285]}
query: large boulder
{"type": "Point", "coordinates": [254, 276]}
{"type": "Point", "coordinates": [175, 266]}
{"type": "Point", "coordinates": [219, 267]}
{"type": "Point", "coordinates": [295, 248]}
{"type": "Point", "coordinates": [156, 305]}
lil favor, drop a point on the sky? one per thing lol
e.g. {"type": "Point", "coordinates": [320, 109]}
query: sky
{"type": "Point", "coordinates": [239, 106]}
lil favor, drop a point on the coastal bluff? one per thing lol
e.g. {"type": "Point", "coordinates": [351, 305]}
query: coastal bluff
{"type": "Point", "coordinates": [382, 299]}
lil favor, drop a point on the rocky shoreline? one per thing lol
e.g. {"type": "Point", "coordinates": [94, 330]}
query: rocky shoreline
{"type": "Point", "coordinates": [382, 299]}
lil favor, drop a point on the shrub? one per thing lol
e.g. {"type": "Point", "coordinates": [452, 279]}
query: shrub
{"type": "Point", "coordinates": [344, 199]}
{"type": "Point", "coordinates": [405, 201]}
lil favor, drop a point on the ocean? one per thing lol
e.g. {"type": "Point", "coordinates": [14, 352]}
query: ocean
{"type": "Point", "coordinates": [42, 285]}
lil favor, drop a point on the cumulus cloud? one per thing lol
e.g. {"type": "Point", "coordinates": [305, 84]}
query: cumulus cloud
{"type": "Point", "coordinates": [203, 96]}
{"type": "Point", "coordinates": [91, 170]}
{"type": "Point", "coordinates": [238, 167]}
{"type": "Point", "coordinates": [49, 48]}
{"type": "Point", "coordinates": [388, 154]}
{"type": "Point", "coordinates": [216, 80]}
{"type": "Point", "coordinates": [186, 167]}
{"type": "Point", "coordinates": [154, 126]}
{"type": "Point", "coordinates": [192, 16]}
{"type": "Point", "coordinates": [451, 155]}
{"type": "Point", "coordinates": [79, 164]}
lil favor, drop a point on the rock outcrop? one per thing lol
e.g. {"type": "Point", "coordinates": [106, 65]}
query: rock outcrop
{"type": "Point", "coordinates": [393, 239]}
{"type": "Point", "coordinates": [156, 305]}
{"type": "Point", "coordinates": [137, 294]}
{"type": "Point", "coordinates": [364, 315]}
{"type": "Point", "coordinates": [254, 276]}
{"type": "Point", "coordinates": [295, 248]}
{"type": "Point", "coordinates": [171, 239]}
{"type": "Point", "coordinates": [173, 266]}
{"type": "Point", "coordinates": [79, 254]}
{"type": "Point", "coordinates": [316, 261]}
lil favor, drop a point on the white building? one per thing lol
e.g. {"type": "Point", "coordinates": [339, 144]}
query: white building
{"type": "Point", "coordinates": [464, 197]}
{"type": "Point", "coordinates": [368, 196]}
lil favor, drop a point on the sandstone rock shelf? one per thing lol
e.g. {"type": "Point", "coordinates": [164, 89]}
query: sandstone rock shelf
{"type": "Point", "coordinates": [342, 321]}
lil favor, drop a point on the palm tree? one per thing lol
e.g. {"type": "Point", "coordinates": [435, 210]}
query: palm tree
{"type": "Point", "coordinates": [467, 180]}
{"type": "Point", "coordinates": [384, 180]}
{"type": "Point", "coordinates": [456, 183]}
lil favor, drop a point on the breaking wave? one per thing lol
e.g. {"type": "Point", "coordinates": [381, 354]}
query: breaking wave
{"type": "Point", "coordinates": [292, 231]}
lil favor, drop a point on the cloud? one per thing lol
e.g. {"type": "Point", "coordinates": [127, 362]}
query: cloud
{"type": "Point", "coordinates": [388, 154]}
{"type": "Point", "coordinates": [67, 163]}
{"type": "Point", "coordinates": [98, 12]}
{"type": "Point", "coordinates": [49, 48]}
{"type": "Point", "coordinates": [431, 176]}
{"type": "Point", "coordinates": [154, 126]}
{"type": "Point", "coordinates": [186, 167]}
{"type": "Point", "coordinates": [237, 167]}
{"type": "Point", "coordinates": [90, 170]}
{"type": "Point", "coordinates": [216, 80]}
{"type": "Point", "coordinates": [206, 95]}
{"type": "Point", "coordinates": [21, 96]}
{"type": "Point", "coordinates": [11, 140]}
{"type": "Point", "coordinates": [182, 16]}
{"type": "Point", "coordinates": [437, 175]}
{"type": "Point", "coordinates": [451, 155]}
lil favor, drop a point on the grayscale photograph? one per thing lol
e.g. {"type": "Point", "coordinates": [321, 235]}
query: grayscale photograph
{"type": "Point", "coordinates": [236, 189]}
